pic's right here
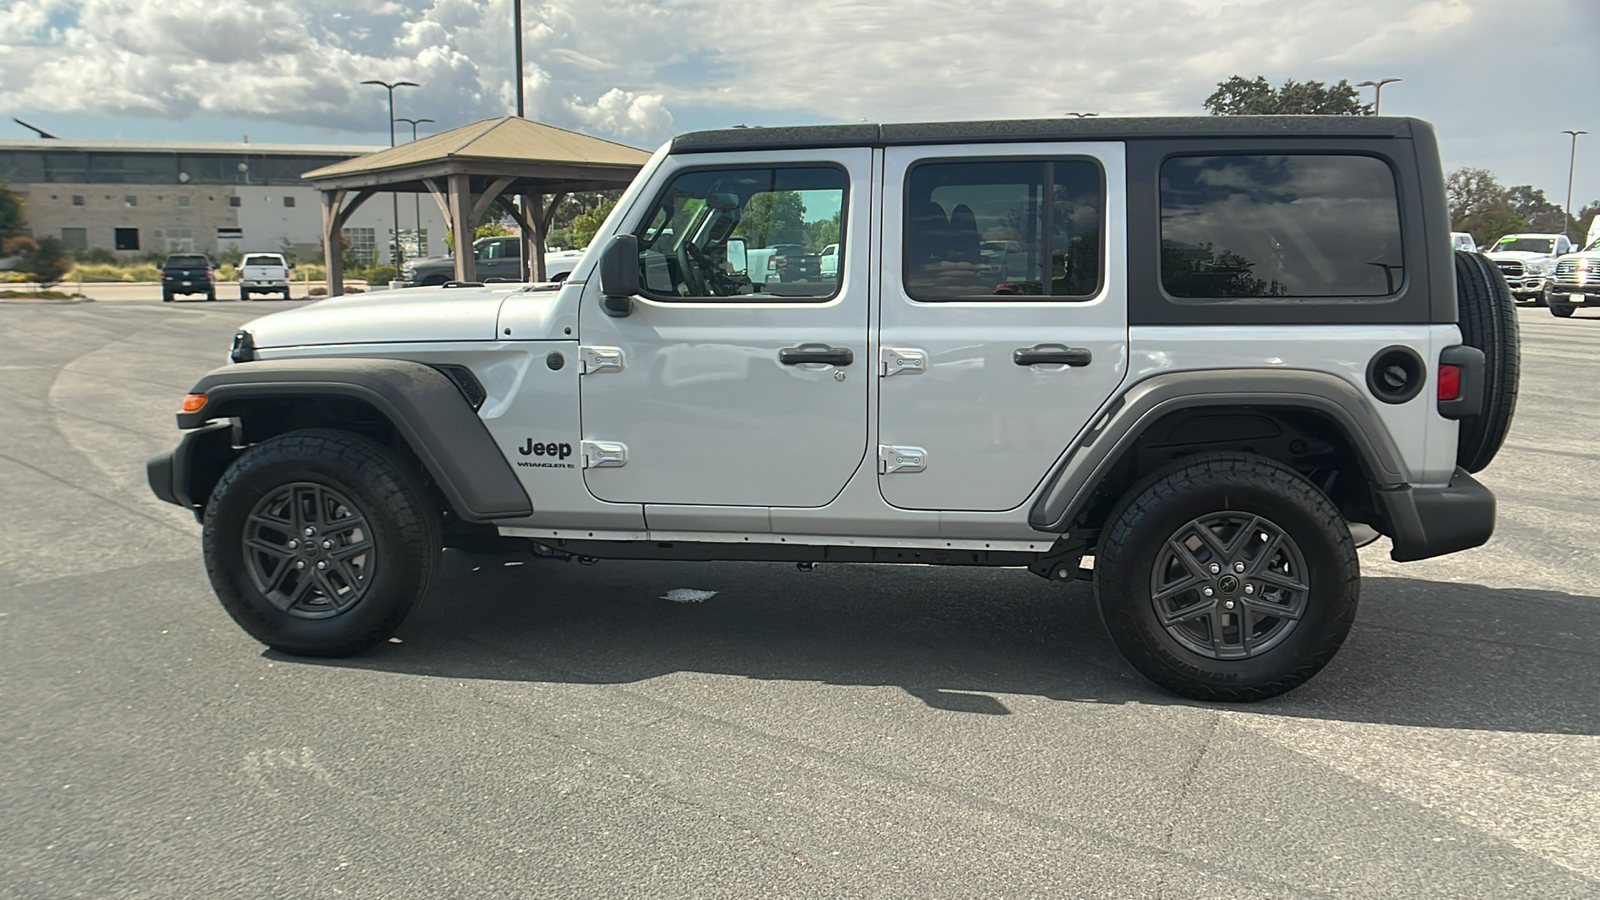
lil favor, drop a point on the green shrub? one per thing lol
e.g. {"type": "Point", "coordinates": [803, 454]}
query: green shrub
{"type": "Point", "coordinates": [144, 272]}
{"type": "Point", "coordinates": [227, 272]}
{"type": "Point", "coordinates": [97, 273]}
{"type": "Point", "coordinates": [309, 272]}
{"type": "Point", "coordinates": [380, 275]}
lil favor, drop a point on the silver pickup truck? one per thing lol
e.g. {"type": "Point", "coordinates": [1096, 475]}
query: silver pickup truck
{"type": "Point", "coordinates": [496, 259]}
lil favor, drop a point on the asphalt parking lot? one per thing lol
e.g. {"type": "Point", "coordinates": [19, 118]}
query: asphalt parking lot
{"type": "Point", "coordinates": [546, 729]}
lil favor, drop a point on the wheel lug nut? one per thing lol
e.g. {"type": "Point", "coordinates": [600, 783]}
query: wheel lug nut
{"type": "Point", "coordinates": [1238, 567]}
{"type": "Point", "coordinates": [1249, 589]}
{"type": "Point", "coordinates": [310, 531]}
{"type": "Point", "coordinates": [294, 545]}
{"type": "Point", "coordinates": [299, 564]}
{"type": "Point", "coordinates": [322, 564]}
{"type": "Point", "coordinates": [1215, 568]}
{"type": "Point", "coordinates": [327, 545]}
{"type": "Point", "coordinates": [1207, 592]}
{"type": "Point", "coordinates": [1228, 605]}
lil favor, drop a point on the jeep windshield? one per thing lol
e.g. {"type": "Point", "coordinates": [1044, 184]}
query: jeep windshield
{"type": "Point", "coordinates": [1526, 245]}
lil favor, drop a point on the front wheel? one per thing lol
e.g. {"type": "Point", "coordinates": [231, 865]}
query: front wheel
{"type": "Point", "coordinates": [1227, 577]}
{"type": "Point", "coordinates": [1562, 310]}
{"type": "Point", "coordinates": [320, 542]}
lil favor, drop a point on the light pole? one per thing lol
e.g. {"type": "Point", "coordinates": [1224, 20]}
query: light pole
{"type": "Point", "coordinates": [1377, 92]}
{"type": "Point", "coordinates": [1572, 161]}
{"type": "Point", "coordinates": [416, 197]}
{"type": "Point", "coordinates": [394, 197]}
{"type": "Point", "coordinates": [516, 29]}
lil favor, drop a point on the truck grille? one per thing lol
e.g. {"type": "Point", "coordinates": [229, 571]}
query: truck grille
{"type": "Point", "coordinates": [1570, 271]}
{"type": "Point", "coordinates": [1510, 267]}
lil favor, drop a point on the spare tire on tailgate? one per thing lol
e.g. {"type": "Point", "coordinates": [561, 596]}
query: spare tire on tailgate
{"type": "Point", "coordinates": [1487, 315]}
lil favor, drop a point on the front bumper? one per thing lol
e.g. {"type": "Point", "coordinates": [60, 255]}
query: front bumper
{"type": "Point", "coordinates": [186, 474]}
{"type": "Point", "coordinates": [1527, 284]}
{"type": "Point", "coordinates": [1563, 294]}
{"type": "Point", "coordinates": [1429, 522]}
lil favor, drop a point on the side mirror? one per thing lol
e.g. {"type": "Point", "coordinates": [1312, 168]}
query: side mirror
{"type": "Point", "coordinates": [619, 275]}
{"type": "Point", "coordinates": [738, 256]}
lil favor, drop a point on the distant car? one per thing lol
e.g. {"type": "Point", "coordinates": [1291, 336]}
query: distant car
{"type": "Point", "coordinates": [1527, 261]}
{"type": "Point", "coordinates": [1575, 281]}
{"type": "Point", "coordinates": [790, 263]}
{"type": "Point", "coordinates": [187, 273]}
{"type": "Point", "coordinates": [1461, 240]}
{"type": "Point", "coordinates": [495, 259]}
{"type": "Point", "coordinates": [828, 262]}
{"type": "Point", "coordinates": [263, 273]}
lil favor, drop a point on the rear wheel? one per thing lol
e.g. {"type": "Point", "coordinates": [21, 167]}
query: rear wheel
{"type": "Point", "coordinates": [320, 542]}
{"type": "Point", "coordinates": [211, 295]}
{"type": "Point", "coordinates": [1227, 577]}
{"type": "Point", "coordinates": [166, 296]}
{"type": "Point", "coordinates": [244, 294]}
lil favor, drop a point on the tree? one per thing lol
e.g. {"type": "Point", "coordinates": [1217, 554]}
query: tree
{"type": "Point", "coordinates": [1542, 215]}
{"type": "Point", "coordinates": [773, 217]}
{"type": "Point", "coordinates": [1240, 97]}
{"type": "Point", "coordinates": [1479, 205]}
{"type": "Point", "coordinates": [585, 224]}
{"type": "Point", "coordinates": [11, 220]}
{"type": "Point", "coordinates": [46, 260]}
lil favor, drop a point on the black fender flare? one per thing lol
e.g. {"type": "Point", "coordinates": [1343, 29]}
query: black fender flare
{"type": "Point", "coordinates": [1085, 465]}
{"type": "Point", "coordinates": [426, 408]}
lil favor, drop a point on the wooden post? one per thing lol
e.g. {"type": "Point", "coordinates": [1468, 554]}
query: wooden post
{"type": "Point", "coordinates": [462, 224]}
{"type": "Point", "coordinates": [332, 252]}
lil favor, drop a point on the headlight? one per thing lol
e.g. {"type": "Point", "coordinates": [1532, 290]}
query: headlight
{"type": "Point", "coordinates": [1538, 267]}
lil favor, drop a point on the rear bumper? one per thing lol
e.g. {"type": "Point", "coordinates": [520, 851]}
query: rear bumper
{"type": "Point", "coordinates": [1429, 522]}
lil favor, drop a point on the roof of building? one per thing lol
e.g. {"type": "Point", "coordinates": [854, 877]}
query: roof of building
{"type": "Point", "coordinates": [503, 140]}
{"type": "Point", "coordinates": [342, 151]}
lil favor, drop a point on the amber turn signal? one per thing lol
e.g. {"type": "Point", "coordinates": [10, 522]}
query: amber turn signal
{"type": "Point", "coordinates": [193, 402]}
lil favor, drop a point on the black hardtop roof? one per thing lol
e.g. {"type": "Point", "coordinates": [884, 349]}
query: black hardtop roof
{"type": "Point", "coordinates": [1035, 130]}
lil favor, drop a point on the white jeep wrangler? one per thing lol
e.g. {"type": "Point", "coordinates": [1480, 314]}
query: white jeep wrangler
{"type": "Point", "coordinates": [1217, 346]}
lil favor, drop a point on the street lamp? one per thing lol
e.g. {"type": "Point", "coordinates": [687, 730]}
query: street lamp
{"type": "Point", "coordinates": [1571, 163]}
{"type": "Point", "coordinates": [1377, 92]}
{"type": "Point", "coordinates": [416, 196]}
{"type": "Point", "coordinates": [393, 197]}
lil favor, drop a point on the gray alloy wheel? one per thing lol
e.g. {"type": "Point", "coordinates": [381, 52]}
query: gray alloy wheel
{"type": "Point", "coordinates": [1229, 585]}
{"type": "Point", "coordinates": [309, 550]}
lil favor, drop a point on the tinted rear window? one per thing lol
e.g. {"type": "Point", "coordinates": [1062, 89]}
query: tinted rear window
{"type": "Point", "coordinates": [262, 261]}
{"type": "Point", "coordinates": [188, 262]}
{"type": "Point", "coordinates": [1290, 226]}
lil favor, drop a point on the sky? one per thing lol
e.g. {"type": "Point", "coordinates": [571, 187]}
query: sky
{"type": "Point", "coordinates": [1500, 79]}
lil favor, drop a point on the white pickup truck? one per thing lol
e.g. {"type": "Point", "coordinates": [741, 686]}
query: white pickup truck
{"type": "Point", "coordinates": [263, 273]}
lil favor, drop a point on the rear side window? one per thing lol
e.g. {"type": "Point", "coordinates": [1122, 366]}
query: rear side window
{"type": "Point", "coordinates": [1004, 229]}
{"type": "Point", "coordinates": [1279, 227]}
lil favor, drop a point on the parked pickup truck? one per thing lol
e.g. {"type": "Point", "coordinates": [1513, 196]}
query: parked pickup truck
{"type": "Point", "coordinates": [263, 273]}
{"type": "Point", "coordinates": [187, 273]}
{"type": "Point", "coordinates": [1527, 261]}
{"type": "Point", "coordinates": [495, 258]}
{"type": "Point", "coordinates": [1575, 281]}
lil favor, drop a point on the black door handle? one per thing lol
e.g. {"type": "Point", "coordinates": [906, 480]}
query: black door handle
{"type": "Point", "coordinates": [816, 353]}
{"type": "Point", "coordinates": [1059, 354]}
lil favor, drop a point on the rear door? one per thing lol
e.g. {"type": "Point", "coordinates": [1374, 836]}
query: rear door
{"type": "Point", "coordinates": [1004, 315]}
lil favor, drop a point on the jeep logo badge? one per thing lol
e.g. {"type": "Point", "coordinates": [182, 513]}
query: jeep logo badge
{"type": "Point", "coordinates": [559, 451]}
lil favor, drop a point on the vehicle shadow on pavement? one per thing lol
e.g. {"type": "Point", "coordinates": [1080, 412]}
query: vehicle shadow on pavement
{"type": "Point", "coordinates": [1423, 653]}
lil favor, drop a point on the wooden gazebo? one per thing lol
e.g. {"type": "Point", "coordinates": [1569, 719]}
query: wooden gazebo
{"type": "Point", "coordinates": [470, 168]}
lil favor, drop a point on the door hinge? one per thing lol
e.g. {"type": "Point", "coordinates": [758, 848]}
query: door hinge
{"type": "Point", "coordinates": [901, 360]}
{"type": "Point", "coordinates": [601, 359]}
{"type": "Point", "coordinates": [901, 459]}
{"type": "Point", "coordinates": [604, 454]}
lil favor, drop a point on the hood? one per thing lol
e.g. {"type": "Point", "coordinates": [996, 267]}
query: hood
{"type": "Point", "coordinates": [1521, 255]}
{"type": "Point", "coordinates": [384, 317]}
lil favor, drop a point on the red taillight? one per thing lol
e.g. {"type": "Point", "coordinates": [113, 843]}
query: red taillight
{"type": "Point", "coordinates": [1449, 382]}
{"type": "Point", "coordinates": [772, 263]}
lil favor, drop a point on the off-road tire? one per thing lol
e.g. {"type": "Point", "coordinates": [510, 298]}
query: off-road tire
{"type": "Point", "coordinates": [403, 523]}
{"type": "Point", "coordinates": [1487, 316]}
{"type": "Point", "coordinates": [1170, 500]}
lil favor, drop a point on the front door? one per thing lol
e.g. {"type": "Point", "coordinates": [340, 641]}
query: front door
{"type": "Point", "coordinates": [1004, 323]}
{"type": "Point", "coordinates": [726, 386]}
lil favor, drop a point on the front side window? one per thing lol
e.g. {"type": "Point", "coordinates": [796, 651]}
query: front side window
{"type": "Point", "coordinates": [1004, 228]}
{"type": "Point", "coordinates": [750, 233]}
{"type": "Point", "coordinates": [1281, 226]}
